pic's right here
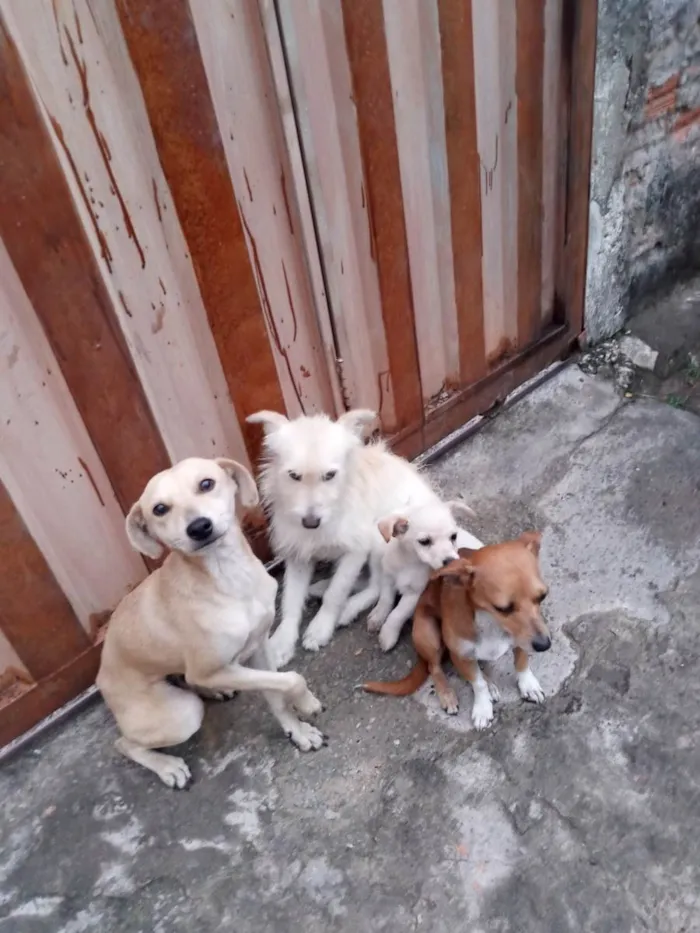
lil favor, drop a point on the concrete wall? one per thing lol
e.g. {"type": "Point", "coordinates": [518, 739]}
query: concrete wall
{"type": "Point", "coordinates": [645, 191]}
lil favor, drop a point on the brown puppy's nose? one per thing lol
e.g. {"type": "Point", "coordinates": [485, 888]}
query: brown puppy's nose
{"type": "Point", "coordinates": [200, 529]}
{"type": "Point", "coordinates": [541, 643]}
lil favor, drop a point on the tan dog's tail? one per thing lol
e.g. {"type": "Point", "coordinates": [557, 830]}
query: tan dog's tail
{"type": "Point", "coordinates": [401, 688]}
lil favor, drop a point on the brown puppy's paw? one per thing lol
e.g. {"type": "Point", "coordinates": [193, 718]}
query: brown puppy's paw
{"type": "Point", "coordinates": [449, 702]}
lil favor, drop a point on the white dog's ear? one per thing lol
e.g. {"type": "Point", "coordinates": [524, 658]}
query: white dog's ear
{"type": "Point", "coordinates": [270, 420]}
{"type": "Point", "coordinates": [138, 534]}
{"type": "Point", "coordinates": [247, 490]}
{"type": "Point", "coordinates": [357, 420]}
{"type": "Point", "coordinates": [393, 527]}
{"type": "Point", "coordinates": [460, 509]}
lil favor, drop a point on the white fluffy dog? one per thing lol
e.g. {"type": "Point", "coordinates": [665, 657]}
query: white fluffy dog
{"type": "Point", "coordinates": [325, 491]}
{"type": "Point", "coordinates": [419, 540]}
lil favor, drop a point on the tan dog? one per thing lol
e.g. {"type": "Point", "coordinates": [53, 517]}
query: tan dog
{"type": "Point", "coordinates": [477, 607]}
{"type": "Point", "coordinates": [205, 613]}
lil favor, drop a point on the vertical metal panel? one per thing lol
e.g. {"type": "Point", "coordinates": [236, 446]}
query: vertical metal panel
{"type": "Point", "coordinates": [164, 50]}
{"type": "Point", "coordinates": [232, 41]}
{"type": "Point", "coordinates": [553, 135]}
{"type": "Point", "coordinates": [413, 41]}
{"type": "Point", "coordinates": [78, 62]}
{"type": "Point", "coordinates": [456, 34]}
{"type": "Point", "coordinates": [314, 37]}
{"type": "Point", "coordinates": [497, 134]}
{"type": "Point", "coordinates": [51, 469]}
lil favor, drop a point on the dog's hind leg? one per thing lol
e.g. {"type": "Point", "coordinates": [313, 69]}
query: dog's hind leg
{"type": "Point", "coordinates": [163, 717]}
{"type": "Point", "coordinates": [297, 577]}
{"type": "Point", "coordinates": [396, 620]}
{"type": "Point", "coordinates": [305, 736]}
{"type": "Point", "coordinates": [365, 599]}
{"type": "Point", "coordinates": [322, 626]}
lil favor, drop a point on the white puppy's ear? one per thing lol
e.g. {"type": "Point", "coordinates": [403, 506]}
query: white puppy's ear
{"type": "Point", "coordinates": [247, 490]}
{"type": "Point", "coordinates": [393, 527]}
{"type": "Point", "coordinates": [357, 420]}
{"type": "Point", "coordinates": [460, 509]}
{"type": "Point", "coordinates": [138, 534]}
{"type": "Point", "coordinates": [270, 420]}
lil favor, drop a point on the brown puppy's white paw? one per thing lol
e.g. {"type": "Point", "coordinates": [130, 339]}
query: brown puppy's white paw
{"type": "Point", "coordinates": [529, 687]}
{"type": "Point", "coordinates": [482, 711]}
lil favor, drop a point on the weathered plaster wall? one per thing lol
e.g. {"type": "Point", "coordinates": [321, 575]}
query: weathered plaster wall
{"type": "Point", "coordinates": [645, 186]}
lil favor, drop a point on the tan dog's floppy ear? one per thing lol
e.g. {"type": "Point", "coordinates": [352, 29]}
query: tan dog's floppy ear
{"type": "Point", "coordinates": [270, 420]}
{"type": "Point", "coordinates": [138, 534]}
{"type": "Point", "coordinates": [460, 509]}
{"type": "Point", "coordinates": [357, 420]}
{"type": "Point", "coordinates": [392, 527]}
{"type": "Point", "coordinates": [247, 490]}
{"type": "Point", "coordinates": [532, 541]}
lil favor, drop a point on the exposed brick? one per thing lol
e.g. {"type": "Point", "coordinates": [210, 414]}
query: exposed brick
{"type": "Point", "coordinates": [662, 99]}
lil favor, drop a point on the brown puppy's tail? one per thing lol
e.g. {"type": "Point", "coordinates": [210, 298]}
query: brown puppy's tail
{"type": "Point", "coordinates": [401, 688]}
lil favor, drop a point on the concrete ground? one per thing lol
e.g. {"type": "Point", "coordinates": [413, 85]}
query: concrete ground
{"type": "Point", "coordinates": [579, 815]}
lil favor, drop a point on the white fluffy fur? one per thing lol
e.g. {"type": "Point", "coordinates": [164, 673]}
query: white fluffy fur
{"type": "Point", "coordinates": [321, 469]}
{"type": "Point", "coordinates": [421, 539]}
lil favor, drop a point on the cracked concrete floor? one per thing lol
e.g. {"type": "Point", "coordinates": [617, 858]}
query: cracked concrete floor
{"type": "Point", "coordinates": [580, 815]}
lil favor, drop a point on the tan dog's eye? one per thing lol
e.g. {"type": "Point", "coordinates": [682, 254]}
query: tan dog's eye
{"type": "Point", "coordinates": [328, 476]}
{"type": "Point", "coordinates": [160, 509]}
{"type": "Point", "coordinates": [206, 485]}
{"type": "Point", "coordinates": [425, 542]}
{"type": "Point", "coordinates": [541, 598]}
{"type": "Point", "coordinates": [295, 476]}
{"type": "Point", "coordinates": [505, 610]}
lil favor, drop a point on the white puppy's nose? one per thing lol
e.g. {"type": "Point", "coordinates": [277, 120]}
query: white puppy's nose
{"type": "Point", "coordinates": [311, 521]}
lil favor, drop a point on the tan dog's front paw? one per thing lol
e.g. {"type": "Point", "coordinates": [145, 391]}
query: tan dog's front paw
{"type": "Point", "coordinates": [307, 738]}
{"type": "Point", "coordinates": [529, 687]}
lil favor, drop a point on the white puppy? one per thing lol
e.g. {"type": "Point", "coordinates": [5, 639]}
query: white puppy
{"type": "Point", "coordinates": [325, 492]}
{"type": "Point", "coordinates": [419, 540]}
{"type": "Point", "coordinates": [206, 613]}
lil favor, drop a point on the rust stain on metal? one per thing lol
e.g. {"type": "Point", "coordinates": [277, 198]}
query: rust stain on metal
{"type": "Point", "coordinates": [385, 375]}
{"type": "Point", "coordinates": [362, 193]}
{"type": "Point", "coordinates": [508, 110]}
{"type": "Point", "coordinates": [504, 349]}
{"type": "Point", "coordinates": [155, 198]}
{"type": "Point", "coordinates": [157, 325]}
{"type": "Point", "coordinates": [267, 311]}
{"type": "Point", "coordinates": [89, 475]}
{"type": "Point", "coordinates": [97, 624]}
{"type": "Point", "coordinates": [283, 182]}
{"type": "Point", "coordinates": [305, 373]}
{"type": "Point", "coordinates": [247, 184]}
{"type": "Point", "coordinates": [291, 303]}
{"type": "Point", "coordinates": [662, 99]}
{"type": "Point", "coordinates": [101, 239]}
{"type": "Point", "coordinates": [488, 172]}
{"type": "Point", "coordinates": [162, 287]}
{"type": "Point", "coordinates": [78, 30]}
{"type": "Point", "coordinates": [54, 7]}
{"type": "Point", "coordinates": [124, 304]}
{"type": "Point", "coordinates": [102, 146]}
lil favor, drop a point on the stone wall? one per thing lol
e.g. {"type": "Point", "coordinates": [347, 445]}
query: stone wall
{"type": "Point", "coordinates": [645, 184]}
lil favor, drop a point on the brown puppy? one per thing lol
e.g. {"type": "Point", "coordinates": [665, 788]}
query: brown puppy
{"type": "Point", "coordinates": [477, 607]}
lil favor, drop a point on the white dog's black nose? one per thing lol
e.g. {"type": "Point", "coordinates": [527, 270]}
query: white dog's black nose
{"type": "Point", "coordinates": [311, 521]}
{"type": "Point", "coordinates": [200, 529]}
{"type": "Point", "coordinates": [447, 560]}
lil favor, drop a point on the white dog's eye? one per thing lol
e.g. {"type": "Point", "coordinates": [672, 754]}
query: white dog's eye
{"type": "Point", "coordinates": [160, 509]}
{"type": "Point", "coordinates": [295, 476]}
{"type": "Point", "coordinates": [425, 542]}
{"type": "Point", "coordinates": [329, 475]}
{"type": "Point", "coordinates": [453, 538]}
{"type": "Point", "coordinates": [206, 485]}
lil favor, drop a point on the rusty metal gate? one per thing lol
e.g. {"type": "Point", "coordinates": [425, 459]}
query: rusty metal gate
{"type": "Point", "coordinates": [209, 207]}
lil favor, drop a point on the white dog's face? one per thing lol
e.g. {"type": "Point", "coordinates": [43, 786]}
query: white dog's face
{"type": "Point", "coordinates": [429, 532]}
{"type": "Point", "coordinates": [307, 464]}
{"type": "Point", "coordinates": [190, 507]}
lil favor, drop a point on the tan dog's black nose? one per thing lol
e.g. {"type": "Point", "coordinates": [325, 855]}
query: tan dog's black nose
{"type": "Point", "coordinates": [541, 643]}
{"type": "Point", "coordinates": [200, 529]}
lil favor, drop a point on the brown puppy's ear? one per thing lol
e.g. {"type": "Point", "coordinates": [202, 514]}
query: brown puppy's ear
{"type": "Point", "coordinates": [270, 420]}
{"type": "Point", "coordinates": [532, 541]}
{"type": "Point", "coordinates": [459, 571]}
{"type": "Point", "coordinates": [460, 509]}
{"type": "Point", "coordinates": [247, 490]}
{"type": "Point", "coordinates": [138, 534]}
{"type": "Point", "coordinates": [357, 420]}
{"type": "Point", "coordinates": [393, 527]}
{"type": "Point", "coordinates": [465, 552]}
